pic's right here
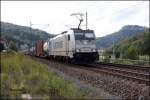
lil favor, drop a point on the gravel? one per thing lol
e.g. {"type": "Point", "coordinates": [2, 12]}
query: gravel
{"type": "Point", "coordinates": [117, 87]}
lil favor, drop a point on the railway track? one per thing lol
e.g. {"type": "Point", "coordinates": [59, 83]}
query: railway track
{"type": "Point", "coordinates": [133, 67]}
{"type": "Point", "coordinates": [113, 82]}
{"type": "Point", "coordinates": [129, 73]}
{"type": "Point", "coordinates": [134, 73]}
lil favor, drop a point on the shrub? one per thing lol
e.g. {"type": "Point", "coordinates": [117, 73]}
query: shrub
{"type": "Point", "coordinates": [19, 72]}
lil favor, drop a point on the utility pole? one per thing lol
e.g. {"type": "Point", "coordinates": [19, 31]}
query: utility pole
{"type": "Point", "coordinates": [113, 47]}
{"type": "Point", "coordinates": [31, 34]}
{"type": "Point", "coordinates": [36, 24]}
{"type": "Point", "coordinates": [86, 21]}
{"type": "Point", "coordinates": [30, 26]}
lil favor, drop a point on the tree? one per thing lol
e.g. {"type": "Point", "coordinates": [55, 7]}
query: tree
{"type": "Point", "coordinates": [2, 47]}
{"type": "Point", "coordinates": [131, 53]}
{"type": "Point", "coordinates": [117, 54]}
{"type": "Point", "coordinates": [146, 45]}
{"type": "Point", "coordinates": [13, 46]}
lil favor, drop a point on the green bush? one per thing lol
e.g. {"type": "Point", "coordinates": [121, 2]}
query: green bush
{"type": "Point", "coordinates": [131, 53]}
{"type": "Point", "coordinates": [13, 46]}
{"type": "Point", "coordinates": [23, 74]}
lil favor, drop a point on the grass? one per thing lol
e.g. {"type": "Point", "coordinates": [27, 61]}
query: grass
{"type": "Point", "coordinates": [143, 61]}
{"type": "Point", "coordinates": [20, 75]}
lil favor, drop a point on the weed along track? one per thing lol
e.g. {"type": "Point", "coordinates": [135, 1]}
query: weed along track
{"type": "Point", "coordinates": [118, 86]}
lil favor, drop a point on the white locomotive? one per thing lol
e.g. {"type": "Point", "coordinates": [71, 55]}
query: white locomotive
{"type": "Point", "coordinates": [75, 45]}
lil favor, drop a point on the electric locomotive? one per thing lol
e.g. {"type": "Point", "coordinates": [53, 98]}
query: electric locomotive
{"type": "Point", "coordinates": [74, 45]}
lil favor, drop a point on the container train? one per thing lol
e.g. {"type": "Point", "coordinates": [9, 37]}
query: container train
{"type": "Point", "coordinates": [74, 45]}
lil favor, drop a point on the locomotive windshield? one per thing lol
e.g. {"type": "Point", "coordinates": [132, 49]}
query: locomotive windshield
{"type": "Point", "coordinates": [89, 35]}
{"type": "Point", "coordinates": [79, 36]}
{"type": "Point", "coordinates": [84, 36]}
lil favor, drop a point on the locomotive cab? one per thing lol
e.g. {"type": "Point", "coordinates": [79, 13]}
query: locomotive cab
{"type": "Point", "coordinates": [84, 48]}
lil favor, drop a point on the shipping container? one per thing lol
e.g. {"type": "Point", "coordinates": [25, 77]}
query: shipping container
{"type": "Point", "coordinates": [39, 49]}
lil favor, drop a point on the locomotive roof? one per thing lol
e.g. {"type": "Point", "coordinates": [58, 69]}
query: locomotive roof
{"type": "Point", "coordinates": [77, 30]}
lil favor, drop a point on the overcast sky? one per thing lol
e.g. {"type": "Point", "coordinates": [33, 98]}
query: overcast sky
{"type": "Point", "coordinates": [104, 17]}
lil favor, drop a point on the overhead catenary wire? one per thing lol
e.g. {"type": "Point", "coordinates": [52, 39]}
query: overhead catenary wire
{"type": "Point", "coordinates": [67, 19]}
{"type": "Point", "coordinates": [89, 6]}
{"type": "Point", "coordinates": [119, 11]}
{"type": "Point", "coordinates": [97, 20]}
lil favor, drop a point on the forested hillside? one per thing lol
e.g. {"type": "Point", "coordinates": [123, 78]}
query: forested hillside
{"type": "Point", "coordinates": [131, 48]}
{"type": "Point", "coordinates": [127, 32]}
{"type": "Point", "coordinates": [22, 35]}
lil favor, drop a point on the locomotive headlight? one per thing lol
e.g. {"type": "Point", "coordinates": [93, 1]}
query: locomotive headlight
{"type": "Point", "coordinates": [78, 50]}
{"type": "Point", "coordinates": [94, 50]}
{"type": "Point", "coordinates": [84, 42]}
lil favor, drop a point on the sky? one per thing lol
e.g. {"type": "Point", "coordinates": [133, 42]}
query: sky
{"type": "Point", "coordinates": [104, 17]}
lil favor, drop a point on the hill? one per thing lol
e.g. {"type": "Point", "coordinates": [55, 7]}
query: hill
{"type": "Point", "coordinates": [22, 35]}
{"type": "Point", "coordinates": [126, 32]}
{"type": "Point", "coordinates": [132, 48]}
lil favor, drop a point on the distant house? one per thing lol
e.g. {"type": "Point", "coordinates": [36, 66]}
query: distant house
{"type": "Point", "coordinates": [3, 44]}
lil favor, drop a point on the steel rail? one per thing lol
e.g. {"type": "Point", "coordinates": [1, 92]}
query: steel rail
{"type": "Point", "coordinates": [135, 76]}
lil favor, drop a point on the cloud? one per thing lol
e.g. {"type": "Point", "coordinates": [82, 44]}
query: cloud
{"type": "Point", "coordinates": [104, 17]}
